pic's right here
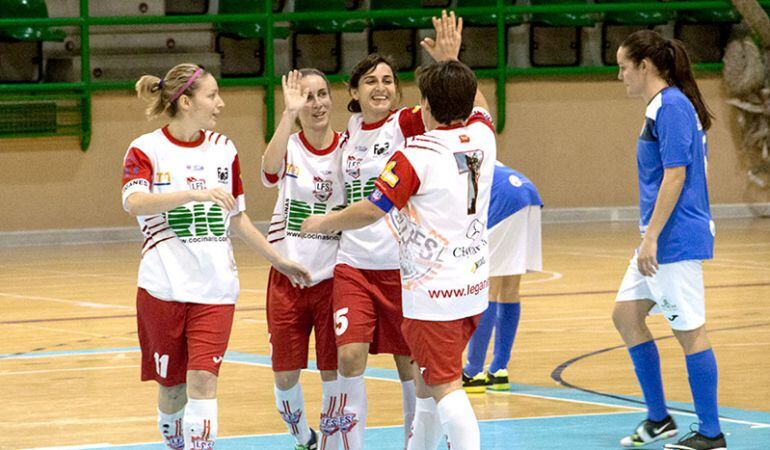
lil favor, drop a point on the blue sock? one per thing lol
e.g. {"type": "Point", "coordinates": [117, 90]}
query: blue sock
{"type": "Point", "coordinates": [506, 323]}
{"type": "Point", "coordinates": [477, 346]}
{"type": "Point", "coordinates": [647, 367]}
{"type": "Point", "coordinates": [702, 371]}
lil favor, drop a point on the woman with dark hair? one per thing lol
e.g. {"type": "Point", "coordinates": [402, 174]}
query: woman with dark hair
{"type": "Point", "coordinates": [306, 168]}
{"type": "Point", "coordinates": [665, 274]}
{"type": "Point", "coordinates": [183, 184]}
{"type": "Point", "coordinates": [367, 283]}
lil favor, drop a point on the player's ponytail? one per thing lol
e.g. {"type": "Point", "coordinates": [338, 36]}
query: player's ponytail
{"type": "Point", "coordinates": [161, 95]}
{"type": "Point", "coordinates": [673, 64]}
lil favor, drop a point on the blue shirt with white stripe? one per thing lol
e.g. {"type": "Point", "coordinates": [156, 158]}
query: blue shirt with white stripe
{"type": "Point", "coordinates": [673, 137]}
{"type": "Point", "coordinates": [511, 192]}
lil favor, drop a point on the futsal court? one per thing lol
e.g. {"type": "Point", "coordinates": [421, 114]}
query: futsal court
{"type": "Point", "coordinates": [69, 359]}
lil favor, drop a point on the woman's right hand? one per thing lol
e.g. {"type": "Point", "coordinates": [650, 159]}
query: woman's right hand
{"type": "Point", "coordinates": [217, 195]}
{"type": "Point", "coordinates": [294, 97]}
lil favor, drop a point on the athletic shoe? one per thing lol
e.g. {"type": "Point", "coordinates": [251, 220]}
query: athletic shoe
{"type": "Point", "coordinates": [498, 381]}
{"type": "Point", "coordinates": [312, 444]}
{"type": "Point", "coordinates": [696, 441]}
{"type": "Point", "coordinates": [476, 384]}
{"type": "Point", "coordinates": [649, 431]}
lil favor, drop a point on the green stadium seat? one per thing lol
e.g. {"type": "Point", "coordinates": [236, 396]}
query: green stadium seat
{"type": "Point", "coordinates": [241, 44]}
{"type": "Point", "coordinates": [318, 43]}
{"type": "Point", "coordinates": [637, 17]}
{"type": "Point", "coordinates": [27, 9]}
{"type": "Point", "coordinates": [481, 30]}
{"type": "Point", "coordinates": [619, 24]}
{"type": "Point", "coordinates": [705, 32]}
{"type": "Point", "coordinates": [555, 38]}
{"type": "Point", "coordinates": [397, 37]}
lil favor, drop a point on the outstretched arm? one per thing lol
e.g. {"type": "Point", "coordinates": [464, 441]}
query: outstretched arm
{"type": "Point", "coordinates": [294, 98]}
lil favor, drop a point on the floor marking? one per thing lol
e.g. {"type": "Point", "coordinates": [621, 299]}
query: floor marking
{"type": "Point", "coordinates": [28, 372]}
{"type": "Point", "coordinates": [554, 276]}
{"type": "Point", "coordinates": [82, 303]}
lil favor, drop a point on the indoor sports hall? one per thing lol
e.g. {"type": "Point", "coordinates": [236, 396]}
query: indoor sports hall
{"type": "Point", "coordinates": [69, 253]}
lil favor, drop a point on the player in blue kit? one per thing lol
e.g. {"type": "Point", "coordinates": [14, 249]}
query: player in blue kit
{"type": "Point", "coordinates": [514, 249]}
{"type": "Point", "coordinates": [665, 274]}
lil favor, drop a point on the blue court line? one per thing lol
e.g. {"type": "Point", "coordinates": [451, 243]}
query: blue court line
{"type": "Point", "coordinates": [758, 418]}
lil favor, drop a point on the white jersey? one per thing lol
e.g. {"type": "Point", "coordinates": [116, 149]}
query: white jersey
{"type": "Point", "coordinates": [187, 255]}
{"type": "Point", "coordinates": [309, 182]}
{"type": "Point", "coordinates": [440, 181]}
{"type": "Point", "coordinates": [365, 152]}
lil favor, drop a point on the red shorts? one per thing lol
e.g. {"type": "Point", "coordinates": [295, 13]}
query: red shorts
{"type": "Point", "coordinates": [176, 337]}
{"type": "Point", "coordinates": [437, 347]}
{"type": "Point", "coordinates": [292, 313]}
{"type": "Point", "coordinates": [367, 308]}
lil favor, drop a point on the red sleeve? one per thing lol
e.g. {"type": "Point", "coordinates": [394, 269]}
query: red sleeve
{"type": "Point", "coordinates": [136, 165]}
{"type": "Point", "coordinates": [237, 181]}
{"type": "Point", "coordinates": [273, 178]}
{"type": "Point", "coordinates": [410, 121]}
{"type": "Point", "coordinates": [398, 180]}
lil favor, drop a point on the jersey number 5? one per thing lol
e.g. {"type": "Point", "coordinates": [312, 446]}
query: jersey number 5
{"type": "Point", "coordinates": [470, 162]}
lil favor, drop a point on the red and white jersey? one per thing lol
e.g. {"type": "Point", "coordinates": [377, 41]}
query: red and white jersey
{"type": "Point", "coordinates": [309, 182]}
{"type": "Point", "coordinates": [365, 152]}
{"type": "Point", "coordinates": [187, 255]}
{"type": "Point", "coordinates": [440, 182]}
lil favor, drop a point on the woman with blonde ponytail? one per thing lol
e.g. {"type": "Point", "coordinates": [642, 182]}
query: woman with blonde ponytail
{"type": "Point", "coordinates": [183, 184]}
{"type": "Point", "coordinates": [665, 273]}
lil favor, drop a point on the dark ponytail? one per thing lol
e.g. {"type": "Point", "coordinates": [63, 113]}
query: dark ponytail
{"type": "Point", "coordinates": [670, 58]}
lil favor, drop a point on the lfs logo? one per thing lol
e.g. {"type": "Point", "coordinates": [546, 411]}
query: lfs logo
{"type": "Point", "coordinates": [196, 184]}
{"type": "Point", "coordinates": [322, 189]}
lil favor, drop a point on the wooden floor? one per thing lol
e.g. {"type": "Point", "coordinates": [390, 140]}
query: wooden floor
{"type": "Point", "coordinates": [69, 363]}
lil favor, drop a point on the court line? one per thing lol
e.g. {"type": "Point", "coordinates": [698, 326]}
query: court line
{"type": "Point", "coordinates": [75, 369]}
{"type": "Point", "coordinates": [82, 303]}
{"type": "Point", "coordinates": [553, 277]}
{"type": "Point", "coordinates": [556, 375]}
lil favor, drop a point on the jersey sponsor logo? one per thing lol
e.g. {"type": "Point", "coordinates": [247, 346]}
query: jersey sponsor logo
{"type": "Point", "coordinates": [361, 148]}
{"type": "Point", "coordinates": [136, 182]}
{"type": "Point", "coordinates": [464, 139]}
{"type": "Point", "coordinates": [665, 305]}
{"type": "Point", "coordinates": [356, 190]}
{"type": "Point", "coordinates": [322, 189]}
{"type": "Point", "coordinates": [388, 175]}
{"type": "Point", "coordinates": [197, 221]}
{"type": "Point", "coordinates": [470, 162]}
{"type": "Point", "coordinates": [353, 166]}
{"type": "Point", "coordinates": [475, 230]}
{"type": "Point", "coordinates": [196, 184]}
{"type": "Point", "coordinates": [421, 252]}
{"type": "Point", "coordinates": [289, 416]}
{"type": "Point", "coordinates": [380, 149]}
{"type": "Point", "coordinates": [515, 181]}
{"type": "Point", "coordinates": [471, 289]}
{"type": "Point", "coordinates": [296, 211]}
{"type": "Point", "coordinates": [195, 167]}
{"type": "Point", "coordinates": [292, 170]}
{"type": "Point", "coordinates": [163, 179]}
{"type": "Point", "coordinates": [223, 174]}
{"type": "Point", "coordinates": [478, 264]}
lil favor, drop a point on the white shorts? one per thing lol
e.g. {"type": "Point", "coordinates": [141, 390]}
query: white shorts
{"type": "Point", "coordinates": [676, 289]}
{"type": "Point", "coordinates": [515, 244]}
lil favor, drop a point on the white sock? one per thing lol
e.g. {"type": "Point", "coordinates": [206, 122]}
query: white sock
{"type": "Point", "coordinates": [352, 411]}
{"type": "Point", "coordinates": [408, 403]}
{"type": "Point", "coordinates": [200, 423]}
{"type": "Point", "coordinates": [426, 429]}
{"type": "Point", "coordinates": [291, 407]}
{"type": "Point", "coordinates": [329, 438]}
{"type": "Point", "coordinates": [170, 426]}
{"type": "Point", "coordinates": [458, 421]}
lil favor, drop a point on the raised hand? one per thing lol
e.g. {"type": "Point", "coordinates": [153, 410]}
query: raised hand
{"type": "Point", "coordinates": [449, 32]}
{"type": "Point", "coordinates": [294, 97]}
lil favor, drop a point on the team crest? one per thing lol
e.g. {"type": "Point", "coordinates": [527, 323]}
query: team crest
{"type": "Point", "coordinates": [196, 184]}
{"type": "Point", "coordinates": [381, 149]}
{"type": "Point", "coordinates": [223, 174]}
{"type": "Point", "coordinates": [322, 189]}
{"type": "Point", "coordinates": [353, 166]}
{"type": "Point", "coordinates": [291, 417]}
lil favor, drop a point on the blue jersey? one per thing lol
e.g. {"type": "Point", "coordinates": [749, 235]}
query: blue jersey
{"type": "Point", "coordinates": [673, 137]}
{"type": "Point", "coordinates": [511, 192]}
